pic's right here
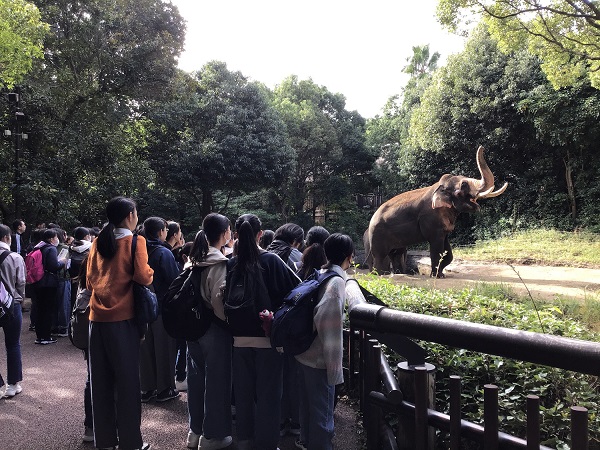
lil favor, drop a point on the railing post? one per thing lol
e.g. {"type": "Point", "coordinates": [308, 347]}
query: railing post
{"type": "Point", "coordinates": [455, 412]}
{"type": "Point", "coordinates": [372, 383]}
{"type": "Point", "coordinates": [421, 401]}
{"type": "Point", "coordinates": [579, 428]}
{"type": "Point", "coordinates": [490, 417]}
{"type": "Point", "coordinates": [352, 338]}
{"type": "Point", "coordinates": [533, 422]}
{"type": "Point", "coordinates": [362, 345]}
{"type": "Point", "coordinates": [407, 440]}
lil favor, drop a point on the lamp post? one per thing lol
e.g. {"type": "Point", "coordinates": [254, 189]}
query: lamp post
{"type": "Point", "coordinates": [18, 119]}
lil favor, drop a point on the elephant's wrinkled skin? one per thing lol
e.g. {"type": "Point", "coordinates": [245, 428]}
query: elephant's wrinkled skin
{"type": "Point", "coordinates": [426, 214]}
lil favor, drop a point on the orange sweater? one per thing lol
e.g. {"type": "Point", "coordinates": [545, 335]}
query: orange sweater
{"type": "Point", "coordinates": [110, 280]}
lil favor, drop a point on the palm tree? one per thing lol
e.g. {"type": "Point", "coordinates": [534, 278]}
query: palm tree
{"type": "Point", "coordinates": [421, 63]}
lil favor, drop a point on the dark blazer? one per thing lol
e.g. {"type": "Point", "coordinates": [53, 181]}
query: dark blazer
{"type": "Point", "coordinates": [13, 244]}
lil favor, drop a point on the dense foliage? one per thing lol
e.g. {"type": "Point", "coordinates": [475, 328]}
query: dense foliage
{"type": "Point", "coordinates": [558, 389]}
{"type": "Point", "coordinates": [109, 113]}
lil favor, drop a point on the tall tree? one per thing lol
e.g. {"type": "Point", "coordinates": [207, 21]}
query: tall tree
{"type": "Point", "coordinates": [328, 144]}
{"type": "Point", "coordinates": [218, 133]}
{"type": "Point", "coordinates": [565, 34]}
{"type": "Point", "coordinates": [103, 61]}
{"type": "Point", "coordinates": [421, 63]}
{"type": "Point", "coordinates": [21, 39]}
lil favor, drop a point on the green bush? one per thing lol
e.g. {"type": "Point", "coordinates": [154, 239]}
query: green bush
{"type": "Point", "coordinates": [558, 389]}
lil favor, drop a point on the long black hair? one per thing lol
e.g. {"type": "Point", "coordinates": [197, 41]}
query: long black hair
{"type": "Point", "coordinates": [247, 226]}
{"type": "Point", "coordinates": [213, 226]}
{"type": "Point", "coordinates": [117, 210]}
{"type": "Point", "coordinates": [337, 248]}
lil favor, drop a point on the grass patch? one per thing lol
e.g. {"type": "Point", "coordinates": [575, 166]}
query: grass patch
{"type": "Point", "coordinates": [494, 305]}
{"type": "Point", "coordinates": [545, 247]}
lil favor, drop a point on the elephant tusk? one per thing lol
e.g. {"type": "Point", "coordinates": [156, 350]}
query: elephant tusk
{"type": "Point", "coordinates": [484, 194]}
{"type": "Point", "coordinates": [488, 194]}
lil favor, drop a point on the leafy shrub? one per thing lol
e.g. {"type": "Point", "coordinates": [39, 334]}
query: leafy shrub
{"type": "Point", "coordinates": [558, 389]}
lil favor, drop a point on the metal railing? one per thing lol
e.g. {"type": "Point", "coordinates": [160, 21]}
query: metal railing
{"type": "Point", "coordinates": [379, 388]}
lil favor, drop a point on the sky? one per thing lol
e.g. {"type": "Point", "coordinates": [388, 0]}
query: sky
{"type": "Point", "coordinates": [354, 48]}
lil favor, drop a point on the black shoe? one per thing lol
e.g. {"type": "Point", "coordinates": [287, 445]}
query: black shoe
{"type": "Point", "coordinates": [167, 394]}
{"type": "Point", "coordinates": [147, 396]}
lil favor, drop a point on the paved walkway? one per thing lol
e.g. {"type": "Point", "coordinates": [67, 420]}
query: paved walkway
{"type": "Point", "coordinates": [48, 414]}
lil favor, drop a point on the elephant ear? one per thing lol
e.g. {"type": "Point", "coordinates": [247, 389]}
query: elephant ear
{"type": "Point", "coordinates": [441, 198]}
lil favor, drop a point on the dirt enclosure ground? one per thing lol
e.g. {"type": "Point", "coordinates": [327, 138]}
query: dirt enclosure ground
{"type": "Point", "coordinates": [543, 282]}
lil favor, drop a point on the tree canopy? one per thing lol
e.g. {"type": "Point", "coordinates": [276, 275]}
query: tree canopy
{"type": "Point", "coordinates": [565, 34]}
{"type": "Point", "coordinates": [21, 39]}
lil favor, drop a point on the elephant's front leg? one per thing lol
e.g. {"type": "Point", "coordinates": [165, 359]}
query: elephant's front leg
{"type": "Point", "coordinates": [440, 253]}
{"type": "Point", "coordinates": [446, 259]}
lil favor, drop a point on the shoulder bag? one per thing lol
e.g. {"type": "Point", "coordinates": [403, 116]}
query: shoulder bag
{"type": "Point", "coordinates": [145, 301]}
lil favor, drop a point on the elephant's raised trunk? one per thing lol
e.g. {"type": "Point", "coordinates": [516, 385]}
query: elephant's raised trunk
{"type": "Point", "coordinates": [485, 187]}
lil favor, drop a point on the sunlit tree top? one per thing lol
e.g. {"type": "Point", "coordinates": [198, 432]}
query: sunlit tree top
{"type": "Point", "coordinates": [21, 37]}
{"type": "Point", "coordinates": [565, 34]}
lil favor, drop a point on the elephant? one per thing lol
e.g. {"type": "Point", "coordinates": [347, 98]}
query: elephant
{"type": "Point", "coordinates": [425, 215]}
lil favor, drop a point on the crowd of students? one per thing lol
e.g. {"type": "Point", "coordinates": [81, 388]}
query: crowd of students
{"type": "Point", "coordinates": [232, 368]}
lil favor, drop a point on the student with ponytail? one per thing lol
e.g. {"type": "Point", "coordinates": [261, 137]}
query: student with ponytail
{"type": "Point", "coordinates": [209, 358]}
{"type": "Point", "coordinates": [114, 342]}
{"type": "Point", "coordinates": [264, 280]}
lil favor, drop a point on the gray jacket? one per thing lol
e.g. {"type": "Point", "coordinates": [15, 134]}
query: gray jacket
{"type": "Point", "coordinates": [12, 272]}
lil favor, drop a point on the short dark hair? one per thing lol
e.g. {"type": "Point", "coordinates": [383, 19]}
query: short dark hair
{"type": "Point", "coordinates": [80, 233]}
{"type": "Point", "coordinates": [338, 247]}
{"type": "Point", "coordinates": [49, 234]}
{"type": "Point", "coordinates": [4, 231]}
{"type": "Point", "coordinates": [316, 234]}
{"type": "Point", "coordinates": [153, 226]}
{"type": "Point", "coordinates": [16, 224]}
{"type": "Point", "coordinates": [289, 233]}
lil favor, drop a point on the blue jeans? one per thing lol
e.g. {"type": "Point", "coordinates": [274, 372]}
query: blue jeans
{"type": "Point", "coordinates": [316, 408]}
{"type": "Point", "coordinates": [257, 374]}
{"type": "Point", "coordinates": [12, 341]}
{"type": "Point", "coordinates": [209, 383]}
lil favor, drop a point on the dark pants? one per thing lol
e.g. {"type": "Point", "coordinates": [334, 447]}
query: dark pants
{"type": "Point", "coordinates": [12, 341]}
{"type": "Point", "coordinates": [45, 300]}
{"type": "Point", "coordinates": [257, 379]}
{"type": "Point", "coordinates": [88, 420]}
{"type": "Point", "coordinates": [180, 365]}
{"type": "Point", "coordinates": [114, 353]}
{"type": "Point", "coordinates": [157, 358]}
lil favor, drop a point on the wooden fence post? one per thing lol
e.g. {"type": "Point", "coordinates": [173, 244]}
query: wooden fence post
{"type": "Point", "coordinates": [406, 425]}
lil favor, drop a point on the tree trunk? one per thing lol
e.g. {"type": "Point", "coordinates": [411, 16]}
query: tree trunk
{"type": "Point", "coordinates": [570, 187]}
{"type": "Point", "coordinates": [207, 202]}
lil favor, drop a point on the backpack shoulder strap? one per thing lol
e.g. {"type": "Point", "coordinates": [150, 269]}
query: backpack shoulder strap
{"type": "Point", "coordinates": [4, 255]}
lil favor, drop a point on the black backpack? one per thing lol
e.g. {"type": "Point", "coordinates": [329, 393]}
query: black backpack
{"type": "Point", "coordinates": [292, 327]}
{"type": "Point", "coordinates": [185, 314]}
{"type": "Point", "coordinates": [245, 297]}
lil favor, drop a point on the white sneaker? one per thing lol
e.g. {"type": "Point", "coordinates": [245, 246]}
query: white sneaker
{"type": "Point", "coordinates": [214, 444]}
{"type": "Point", "coordinates": [181, 386]}
{"type": "Point", "coordinates": [2, 390]}
{"type": "Point", "coordinates": [12, 390]}
{"type": "Point", "coordinates": [192, 439]}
